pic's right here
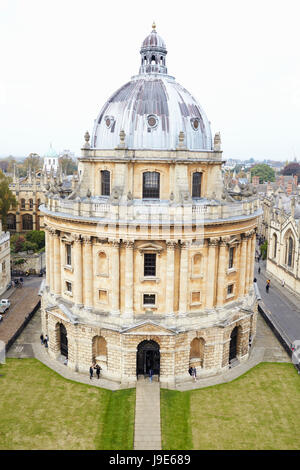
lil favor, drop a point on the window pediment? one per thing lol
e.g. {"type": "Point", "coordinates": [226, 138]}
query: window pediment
{"type": "Point", "coordinates": [150, 248]}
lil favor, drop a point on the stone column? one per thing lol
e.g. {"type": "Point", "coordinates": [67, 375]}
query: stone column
{"type": "Point", "coordinates": [51, 259]}
{"type": "Point", "coordinates": [183, 287]}
{"type": "Point", "coordinates": [243, 261]}
{"type": "Point", "coordinates": [115, 276]}
{"type": "Point", "coordinates": [253, 247]}
{"type": "Point", "coordinates": [77, 286]}
{"type": "Point", "coordinates": [221, 271]}
{"type": "Point", "coordinates": [57, 264]}
{"type": "Point", "coordinates": [129, 278]}
{"type": "Point", "coordinates": [47, 256]}
{"type": "Point", "coordinates": [248, 263]}
{"type": "Point", "coordinates": [170, 277]}
{"type": "Point", "coordinates": [211, 272]}
{"type": "Point", "coordinates": [88, 270]}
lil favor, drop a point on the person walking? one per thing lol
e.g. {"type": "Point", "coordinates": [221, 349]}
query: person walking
{"type": "Point", "coordinates": [46, 339]}
{"type": "Point", "coordinates": [91, 372]}
{"type": "Point", "coordinates": [258, 270]}
{"type": "Point", "coordinates": [195, 374]}
{"type": "Point", "coordinates": [191, 371]}
{"type": "Point", "coordinates": [268, 286]}
{"type": "Point", "coordinates": [98, 369]}
{"type": "Point", "coordinates": [42, 338]}
{"type": "Point", "coordinates": [150, 375]}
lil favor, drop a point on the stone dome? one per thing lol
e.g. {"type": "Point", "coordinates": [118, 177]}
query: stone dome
{"type": "Point", "coordinates": [152, 109]}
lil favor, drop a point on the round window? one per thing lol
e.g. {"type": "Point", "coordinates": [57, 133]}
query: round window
{"type": "Point", "coordinates": [152, 121]}
{"type": "Point", "coordinates": [195, 123]}
{"type": "Point", "coordinates": [108, 121]}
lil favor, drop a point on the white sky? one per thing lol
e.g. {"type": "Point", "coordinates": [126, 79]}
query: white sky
{"type": "Point", "coordinates": [62, 59]}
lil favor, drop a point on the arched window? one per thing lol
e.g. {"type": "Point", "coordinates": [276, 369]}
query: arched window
{"type": "Point", "coordinates": [30, 203]}
{"type": "Point", "coordinates": [99, 349]}
{"type": "Point", "coordinates": [102, 264]}
{"type": "Point", "coordinates": [196, 266]}
{"type": "Point", "coordinates": [11, 222]}
{"type": "Point", "coordinates": [27, 222]}
{"type": "Point", "coordinates": [22, 203]}
{"type": "Point", "coordinates": [105, 183]}
{"type": "Point", "coordinates": [197, 352]}
{"type": "Point", "coordinates": [151, 185]}
{"type": "Point", "coordinates": [274, 245]}
{"type": "Point", "coordinates": [196, 185]}
{"type": "Point", "coordinates": [290, 252]}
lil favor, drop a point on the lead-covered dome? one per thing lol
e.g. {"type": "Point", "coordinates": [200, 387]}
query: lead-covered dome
{"type": "Point", "coordinates": [152, 109]}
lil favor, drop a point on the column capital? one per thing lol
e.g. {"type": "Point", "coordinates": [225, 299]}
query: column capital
{"type": "Point", "coordinates": [224, 241]}
{"type": "Point", "coordinates": [129, 244]}
{"type": "Point", "coordinates": [114, 242]}
{"type": "Point", "coordinates": [77, 238]}
{"type": "Point", "coordinates": [185, 244]}
{"type": "Point", "coordinates": [87, 240]}
{"type": "Point", "coordinates": [171, 244]}
{"type": "Point", "coordinates": [213, 241]}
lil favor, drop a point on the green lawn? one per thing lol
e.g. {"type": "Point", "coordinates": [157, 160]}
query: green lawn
{"type": "Point", "coordinates": [259, 410]}
{"type": "Point", "coordinates": [39, 409]}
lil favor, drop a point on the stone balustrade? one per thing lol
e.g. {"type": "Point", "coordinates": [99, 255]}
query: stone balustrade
{"type": "Point", "coordinates": [141, 210]}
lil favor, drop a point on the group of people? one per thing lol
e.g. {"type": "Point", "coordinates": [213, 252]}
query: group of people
{"type": "Point", "coordinates": [97, 368]}
{"type": "Point", "coordinates": [44, 340]}
{"type": "Point", "coordinates": [193, 373]}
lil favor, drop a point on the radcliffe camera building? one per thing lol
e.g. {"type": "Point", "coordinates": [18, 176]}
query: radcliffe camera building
{"type": "Point", "coordinates": [150, 259]}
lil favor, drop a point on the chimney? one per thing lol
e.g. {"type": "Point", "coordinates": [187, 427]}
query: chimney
{"type": "Point", "coordinates": [296, 180]}
{"type": "Point", "coordinates": [289, 188]}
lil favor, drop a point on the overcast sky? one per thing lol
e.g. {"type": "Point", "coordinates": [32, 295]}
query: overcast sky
{"type": "Point", "coordinates": [62, 59]}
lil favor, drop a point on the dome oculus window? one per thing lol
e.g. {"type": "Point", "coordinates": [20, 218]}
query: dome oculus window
{"type": "Point", "coordinates": [108, 121]}
{"type": "Point", "coordinates": [195, 123]}
{"type": "Point", "coordinates": [152, 121]}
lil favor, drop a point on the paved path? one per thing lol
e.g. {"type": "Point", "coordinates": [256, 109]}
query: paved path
{"type": "Point", "coordinates": [283, 307]}
{"type": "Point", "coordinates": [147, 432]}
{"type": "Point", "coordinates": [23, 301]}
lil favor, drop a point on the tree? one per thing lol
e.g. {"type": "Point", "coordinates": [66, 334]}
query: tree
{"type": "Point", "coordinates": [291, 169]}
{"type": "Point", "coordinates": [37, 237]}
{"type": "Point", "coordinates": [7, 199]}
{"type": "Point", "coordinates": [33, 161]}
{"type": "Point", "coordinates": [68, 165]}
{"type": "Point", "coordinates": [264, 171]}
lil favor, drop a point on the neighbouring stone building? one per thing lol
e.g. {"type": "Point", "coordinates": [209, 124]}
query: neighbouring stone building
{"type": "Point", "coordinates": [30, 194]}
{"type": "Point", "coordinates": [150, 259]}
{"type": "Point", "coordinates": [283, 260]}
{"type": "Point", "coordinates": [5, 275]}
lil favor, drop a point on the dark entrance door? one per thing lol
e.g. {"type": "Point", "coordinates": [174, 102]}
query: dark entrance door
{"type": "Point", "coordinates": [233, 344]}
{"type": "Point", "coordinates": [148, 357]}
{"type": "Point", "coordinates": [63, 341]}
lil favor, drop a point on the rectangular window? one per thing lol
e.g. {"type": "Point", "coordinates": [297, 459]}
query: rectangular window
{"type": "Point", "coordinates": [149, 264]}
{"type": "Point", "coordinates": [69, 286]}
{"type": "Point", "coordinates": [103, 296]}
{"type": "Point", "coordinates": [151, 184]}
{"type": "Point", "coordinates": [149, 299]}
{"type": "Point", "coordinates": [68, 255]}
{"type": "Point", "coordinates": [196, 185]}
{"type": "Point", "coordinates": [195, 297]}
{"type": "Point", "coordinates": [105, 183]}
{"type": "Point", "coordinates": [230, 289]}
{"type": "Point", "coordinates": [3, 267]}
{"type": "Point", "coordinates": [231, 253]}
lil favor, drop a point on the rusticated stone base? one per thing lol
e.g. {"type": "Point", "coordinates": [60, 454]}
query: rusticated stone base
{"type": "Point", "coordinates": [116, 351]}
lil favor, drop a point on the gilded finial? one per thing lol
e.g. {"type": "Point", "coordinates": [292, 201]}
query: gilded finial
{"type": "Point", "coordinates": [153, 26]}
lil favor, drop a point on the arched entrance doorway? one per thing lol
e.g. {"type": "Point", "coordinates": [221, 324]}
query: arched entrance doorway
{"type": "Point", "coordinates": [63, 340]}
{"type": "Point", "coordinates": [148, 357]}
{"type": "Point", "coordinates": [233, 344]}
